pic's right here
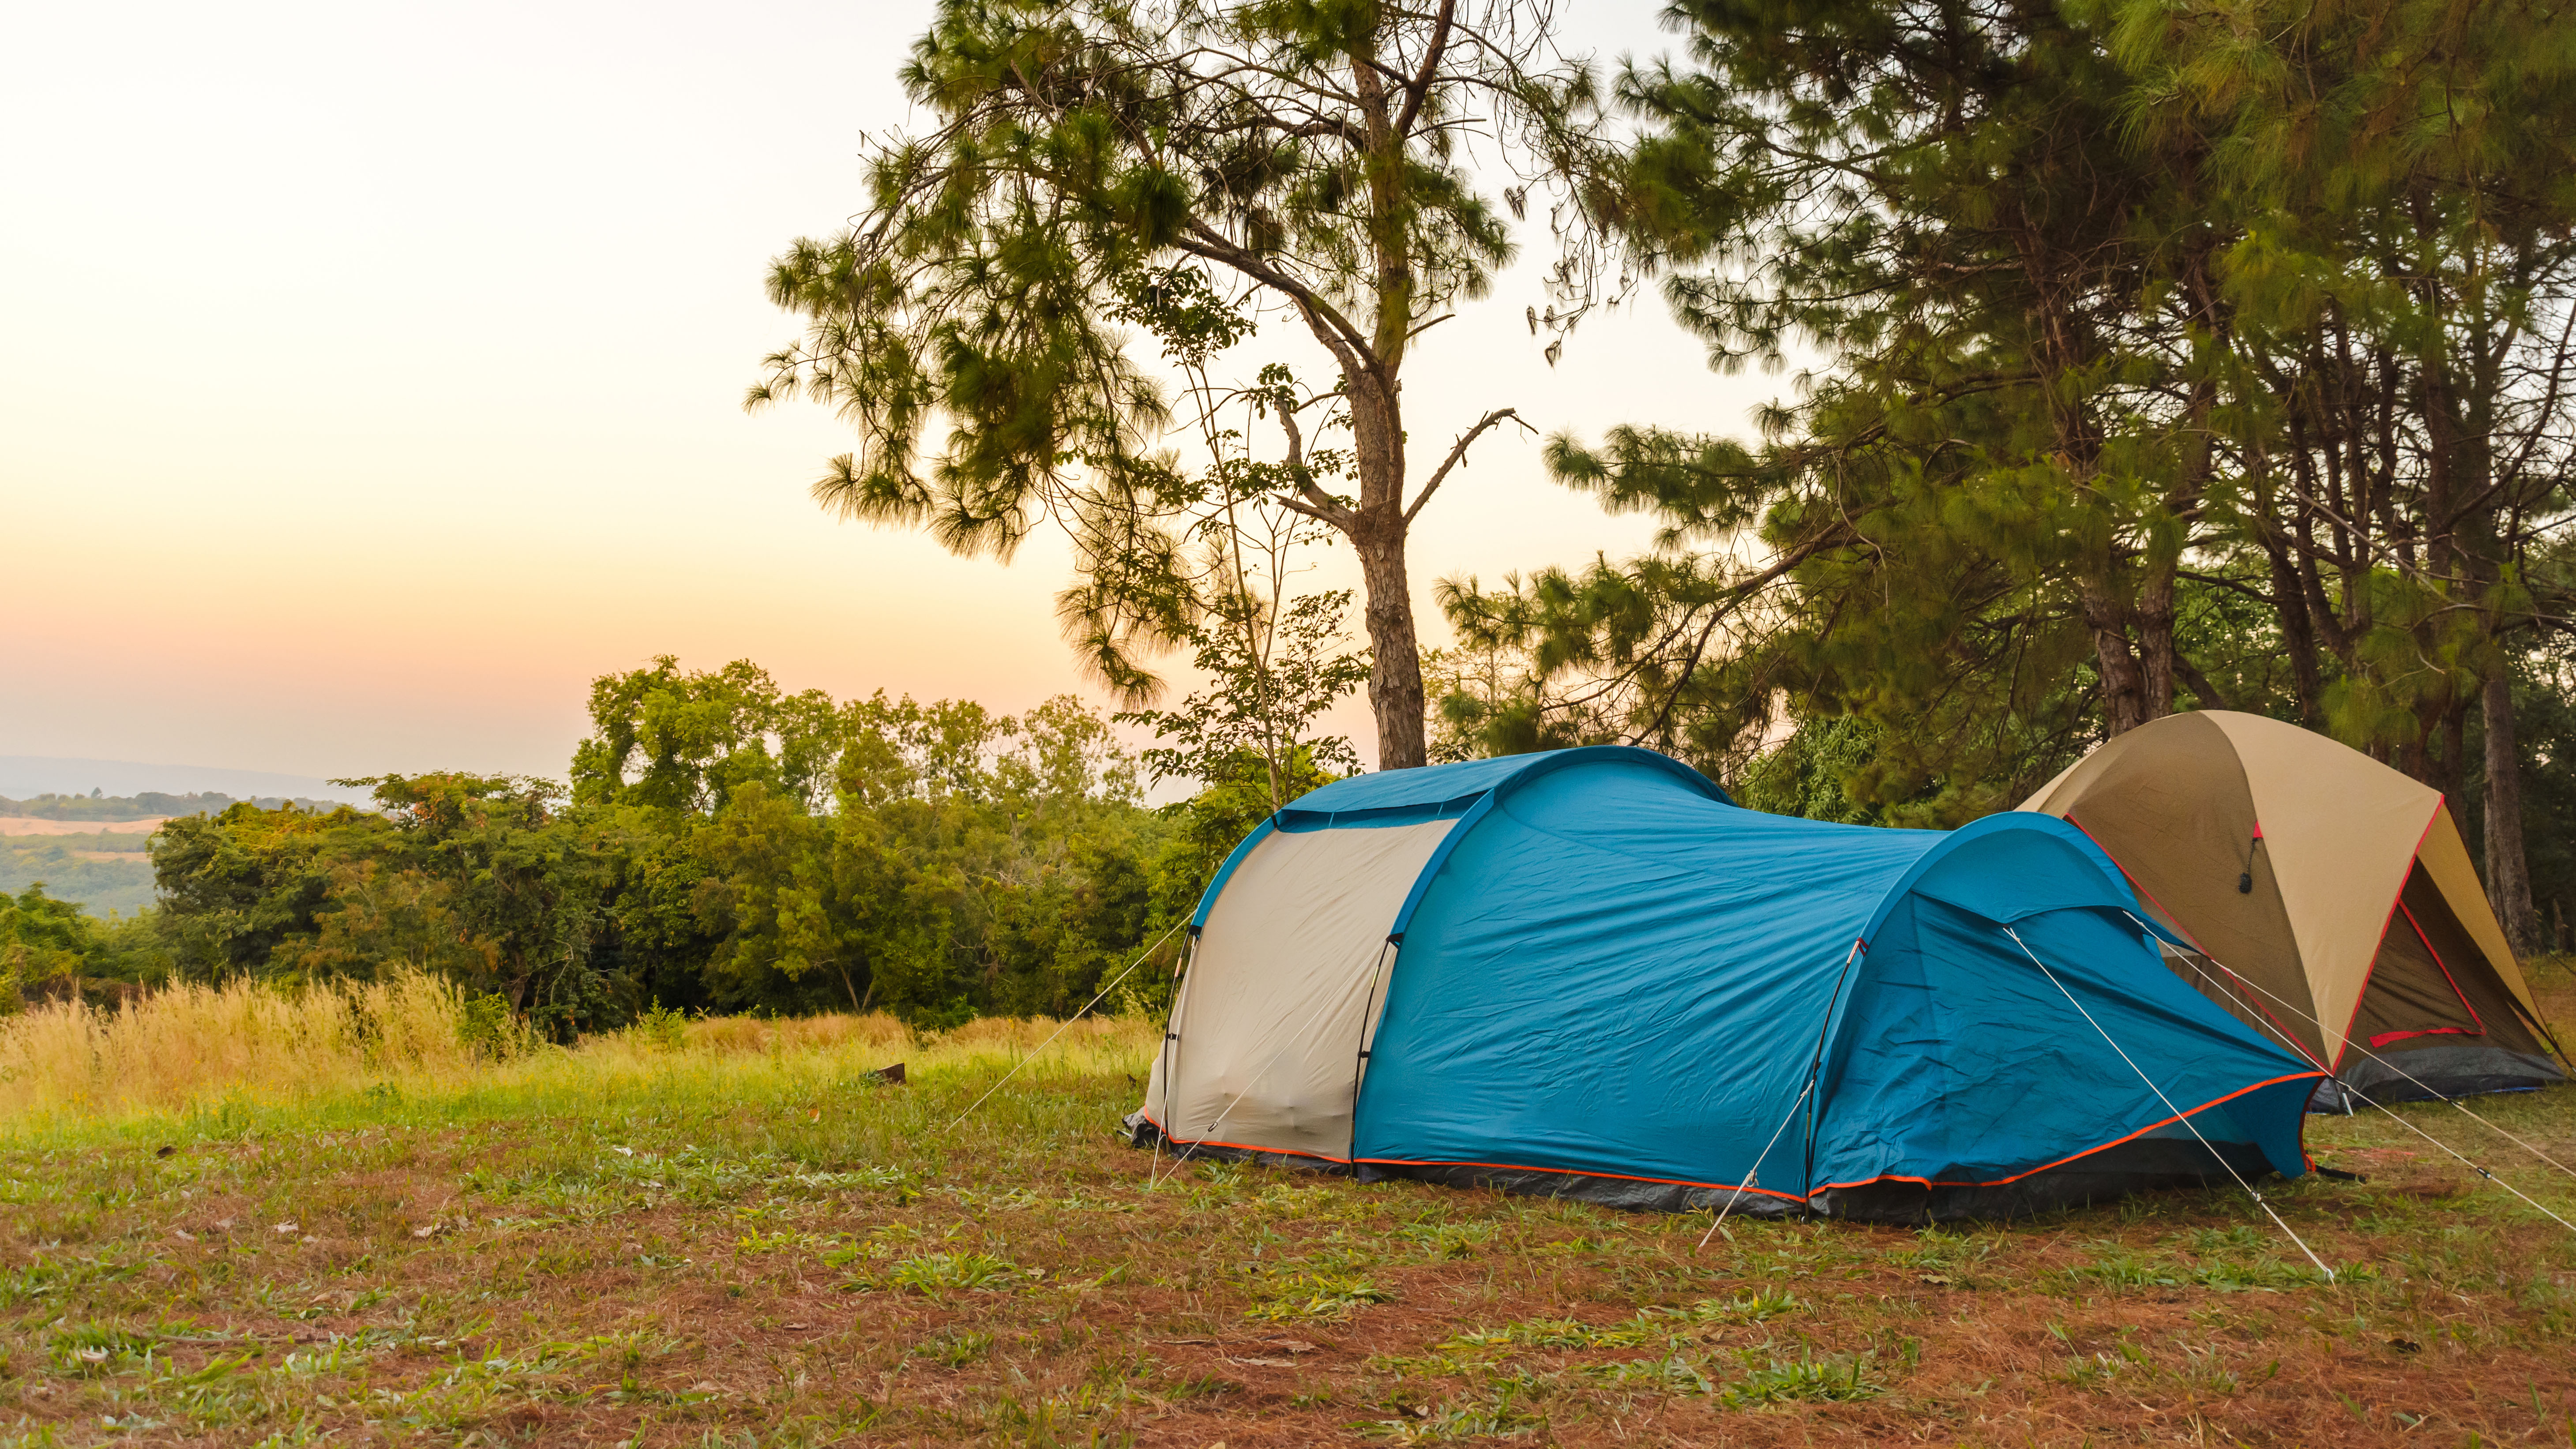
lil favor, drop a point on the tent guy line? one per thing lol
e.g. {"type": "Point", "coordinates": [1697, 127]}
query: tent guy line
{"type": "Point", "coordinates": [1754, 1177]}
{"type": "Point", "coordinates": [1059, 1031]}
{"type": "Point", "coordinates": [2179, 1115]}
{"type": "Point", "coordinates": [2437, 1094]}
{"type": "Point", "coordinates": [2454, 1153]}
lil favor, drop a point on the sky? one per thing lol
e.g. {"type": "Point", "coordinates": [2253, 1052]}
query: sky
{"type": "Point", "coordinates": [370, 381]}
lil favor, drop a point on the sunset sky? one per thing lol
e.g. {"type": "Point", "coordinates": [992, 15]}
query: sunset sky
{"type": "Point", "coordinates": [370, 380]}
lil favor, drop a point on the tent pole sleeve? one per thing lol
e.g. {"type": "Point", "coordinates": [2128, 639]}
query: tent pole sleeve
{"type": "Point", "coordinates": [1815, 1064]}
{"type": "Point", "coordinates": [1172, 1024]}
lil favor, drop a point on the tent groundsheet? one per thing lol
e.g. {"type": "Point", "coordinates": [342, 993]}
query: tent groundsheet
{"type": "Point", "coordinates": [1587, 973]}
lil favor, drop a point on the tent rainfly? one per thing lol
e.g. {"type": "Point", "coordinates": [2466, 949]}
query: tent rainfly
{"type": "Point", "coordinates": [1589, 973]}
{"type": "Point", "coordinates": [2324, 898]}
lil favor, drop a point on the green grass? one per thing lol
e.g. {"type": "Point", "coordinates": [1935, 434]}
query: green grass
{"type": "Point", "coordinates": [755, 1246]}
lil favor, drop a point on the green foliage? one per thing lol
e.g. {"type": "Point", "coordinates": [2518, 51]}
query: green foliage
{"type": "Point", "coordinates": [51, 948]}
{"type": "Point", "coordinates": [1254, 720]}
{"type": "Point", "coordinates": [2174, 355]}
{"type": "Point", "coordinates": [665, 1029]}
{"type": "Point", "coordinates": [725, 846]}
{"type": "Point", "coordinates": [1175, 168]}
{"type": "Point", "coordinates": [40, 939]}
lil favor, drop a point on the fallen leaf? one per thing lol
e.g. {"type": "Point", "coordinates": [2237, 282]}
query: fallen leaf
{"type": "Point", "coordinates": [286, 1228]}
{"type": "Point", "coordinates": [2405, 1345]}
{"type": "Point", "coordinates": [1292, 1345]}
{"type": "Point", "coordinates": [184, 1235]}
{"type": "Point", "coordinates": [1265, 1362]}
{"type": "Point", "coordinates": [430, 1231]}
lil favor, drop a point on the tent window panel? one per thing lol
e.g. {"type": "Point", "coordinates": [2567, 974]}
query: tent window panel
{"type": "Point", "coordinates": [2471, 976]}
{"type": "Point", "coordinates": [2412, 992]}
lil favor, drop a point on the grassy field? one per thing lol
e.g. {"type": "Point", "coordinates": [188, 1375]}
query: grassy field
{"type": "Point", "coordinates": [348, 1228]}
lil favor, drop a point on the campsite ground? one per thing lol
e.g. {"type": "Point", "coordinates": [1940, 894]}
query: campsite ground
{"type": "Point", "coordinates": [755, 1246]}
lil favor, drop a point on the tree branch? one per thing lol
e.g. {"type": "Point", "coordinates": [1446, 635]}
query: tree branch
{"type": "Point", "coordinates": [1419, 87]}
{"type": "Point", "coordinates": [1458, 450]}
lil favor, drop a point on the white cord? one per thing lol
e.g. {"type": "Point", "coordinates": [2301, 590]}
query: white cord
{"type": "Point", "coordinates": [1755, 1176]}
{"type": "Point", "coordinates": [1059, 1031]}
{"type": "Point", "coordinates": [2393, 1116]}
{"type": "Point", "coordinates": [2179, 1115]}
{"type": "Point", "coordinates": [2438, 1095]}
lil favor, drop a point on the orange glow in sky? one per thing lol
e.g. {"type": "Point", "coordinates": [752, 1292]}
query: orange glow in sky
{"type": "Point", "coordinates": [370, 380]}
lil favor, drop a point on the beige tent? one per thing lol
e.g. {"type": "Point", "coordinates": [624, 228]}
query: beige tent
{"type": "Point", "coordinates": [2328, 899]}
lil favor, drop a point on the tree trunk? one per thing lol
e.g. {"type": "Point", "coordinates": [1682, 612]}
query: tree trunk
{"type": "Point", "coordinates": [2130, 697]}
{"type": "Point", "coordinates": [1395, 657]}
{"type": "Point", "coordinates": [2508, 870]}
{"type": "Point", "coordinates": [2155, 620]}
{"type": "Point", "coordinates": [1377, 531]}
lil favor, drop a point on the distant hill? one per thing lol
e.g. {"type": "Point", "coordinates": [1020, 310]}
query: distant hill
{"type": "Point", "coordinates": [102, 872]}
{"type": "Point", "coordinates": [23, 776]}
{"type": "Point", "coordinates": [107, 870]}
{"type": "Point", "coordinates": [149, 805]}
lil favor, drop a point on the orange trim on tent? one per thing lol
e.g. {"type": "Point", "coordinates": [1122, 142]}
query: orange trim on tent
{"type": "Point", "coordinates": [1735, 1187]}
{"type": "Point", "coordinates": [2089, 1151]}
{"type": "Point", "coordinates": [1243, 1146]}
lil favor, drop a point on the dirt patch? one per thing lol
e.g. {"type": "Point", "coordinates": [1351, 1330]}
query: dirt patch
{"type": "Point", "coordinates": [834, 1263]}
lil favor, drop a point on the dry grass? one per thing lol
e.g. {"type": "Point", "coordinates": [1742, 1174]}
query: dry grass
{"type": "Point", "coordinates": [737, 1239]}
{"type": "Point", "coordinates": [182, 1052]}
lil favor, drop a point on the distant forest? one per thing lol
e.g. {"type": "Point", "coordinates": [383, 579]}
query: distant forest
{"type": "Point", "coordinates": [722, 846]}
{"type": "Point", "coordinates": [101, 873]}
{"type": "Point", "coordinates": [109, 871]}
{"type": "Point", "coordinates": [149, 805]}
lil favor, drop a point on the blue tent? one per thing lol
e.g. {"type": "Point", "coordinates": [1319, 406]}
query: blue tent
{"type": "Point", "coordinates": [1589, 973]}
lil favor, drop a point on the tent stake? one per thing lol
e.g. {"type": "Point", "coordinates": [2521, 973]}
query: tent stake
{"type": "Point", "coordinates": [2179, 1115]}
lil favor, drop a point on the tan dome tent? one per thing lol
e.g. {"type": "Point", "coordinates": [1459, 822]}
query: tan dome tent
{"type": "Point", "coordinates": [2329, 901]}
